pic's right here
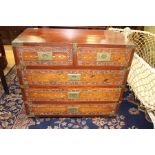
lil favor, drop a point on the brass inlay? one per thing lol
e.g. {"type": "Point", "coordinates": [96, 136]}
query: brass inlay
{"type": "Point", "coordinates": [122, 86]}
{"type": "Point", "coordinates": [125, 68]}
{"type": "Point", "coordinates": [23, 86]}
{"type": "Point", "coordinates": [74, 47]}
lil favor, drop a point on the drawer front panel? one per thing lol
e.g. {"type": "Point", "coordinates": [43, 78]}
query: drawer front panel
{"type": "Point", "coordinates": [44, 56]}
{"type": "Point", "coordinates": [103, 56]}
{"type": "Point", "coordinates": [74, 77]}
{"type": "Point", "coordinates": [87, 109]}
{"type": "Point", "coordinates": [81, 94]}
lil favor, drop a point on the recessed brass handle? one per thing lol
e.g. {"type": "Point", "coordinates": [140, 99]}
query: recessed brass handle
{"type": "Point", "coordinates": [73, 109]}
{"type": "Point", "coordinates": [74, 77]}
{"type": "Point", "coordinates": [103, 56]}
{"type": "Point", "coordinates": [73, 95]}
{"type": "Point", "coordinates": [45, 56]}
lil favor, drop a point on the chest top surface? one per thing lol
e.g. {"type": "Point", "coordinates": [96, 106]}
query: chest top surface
{"type": "Point", "coordinates": [69, 36]}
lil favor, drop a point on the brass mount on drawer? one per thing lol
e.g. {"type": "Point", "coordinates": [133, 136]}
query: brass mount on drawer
{"type": "Point", "coordinates": [74, 77]}
{"type": "Point", "coordinates": [73, 95]}
{"type": "Point", "coordinates": [74, 47]}
{"type": "Point", "coordinates": [73, 109]}
{"type": "Point", "coordinates": [45, 56]}
{"type": "Point", "coordinates": [103, 56]}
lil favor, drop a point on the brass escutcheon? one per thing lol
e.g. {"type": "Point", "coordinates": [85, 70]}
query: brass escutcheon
{"type": "Point", "coordinates": [74, 77]}
{"type": "Point", "coordinates": [72, 109]}
{"type": "Point", "coordinates": [45, 56]}
{"type": "Point", "coordinates": [104, 56]}
{"type": "Point", "coordinates": [73, 95]}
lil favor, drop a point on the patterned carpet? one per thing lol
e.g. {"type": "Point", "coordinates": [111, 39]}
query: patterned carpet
{"type": "Point", "coordinates": [12, 114]}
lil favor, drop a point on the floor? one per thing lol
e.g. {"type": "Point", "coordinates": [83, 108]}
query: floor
{"type": "Point", "coordinates": [10, 58]}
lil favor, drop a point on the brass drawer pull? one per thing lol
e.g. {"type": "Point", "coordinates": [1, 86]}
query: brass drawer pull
{"type": "Point", "coordinates": [73, 95]}
{"type": "Point", "coordinates": [72, 109]}
{"type": "Point", "coordinates": [45, 56]}
{"type": "Point", "coordinates": [74, 77]}
{"type": "Point", "coordinates": [104, 56]}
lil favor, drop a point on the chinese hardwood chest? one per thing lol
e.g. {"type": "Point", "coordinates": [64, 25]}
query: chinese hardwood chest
{"type": "Point", "coordinates": [72, 72]}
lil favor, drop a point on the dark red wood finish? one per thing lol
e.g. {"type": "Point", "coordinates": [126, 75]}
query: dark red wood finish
{"type": "Point", "coordinates": [61, 37]}
{"type": "Point", "coordinates": [47, 36]}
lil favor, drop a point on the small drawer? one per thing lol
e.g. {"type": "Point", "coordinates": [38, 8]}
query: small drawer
{"type": "Point", "coordinates": [74, 77]}
{"type": "Point", "coordinates": [45, 56]}
{"type": "Point", "coordinates": [103, 56]}
{"type": "Point", "coordinates": [76, 94]}
{"type": "Point", "coordinates": [63, 109]}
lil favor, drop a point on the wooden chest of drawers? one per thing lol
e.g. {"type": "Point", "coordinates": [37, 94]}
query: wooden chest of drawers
{"type": "Point", "coordinates": [72, 72]}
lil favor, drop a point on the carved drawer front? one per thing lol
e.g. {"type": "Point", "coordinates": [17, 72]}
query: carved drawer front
{"type": "Point", "coordinates": [44, 56]}
{"type": "Point", "coordinates": [103, 56]}
{"type": "Point", "coordinates": [97, 109]}
{"type": "Point", "coordinates": [69, 94]}
{"type": "Point", "coordinates": [74, 77]}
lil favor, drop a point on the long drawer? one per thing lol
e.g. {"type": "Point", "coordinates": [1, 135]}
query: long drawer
{"type": "Point", "coordinates": [63, 109]}
{"type": "Point", "coordinates": [76, 94]}
{"type": "Point", "coordinates": [74, 77]}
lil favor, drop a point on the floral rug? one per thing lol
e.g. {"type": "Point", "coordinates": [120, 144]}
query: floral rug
{"type": "Point", "coordinates": [12, 114]}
